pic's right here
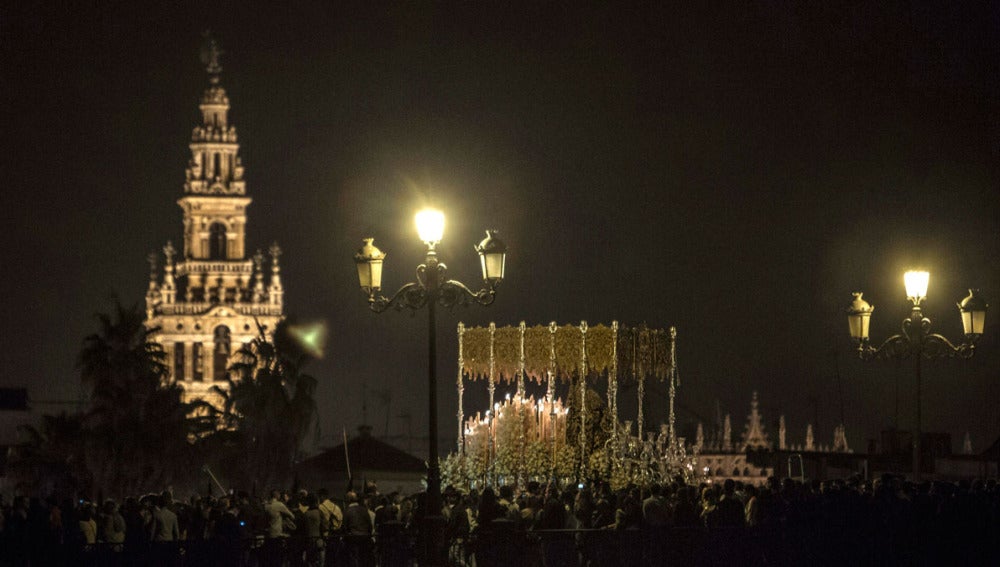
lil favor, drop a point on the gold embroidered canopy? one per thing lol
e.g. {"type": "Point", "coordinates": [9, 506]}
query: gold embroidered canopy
{"type": "Point", "coordinates": [629, 352]}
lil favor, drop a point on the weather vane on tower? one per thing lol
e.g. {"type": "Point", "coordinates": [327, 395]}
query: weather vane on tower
{"type": "Point", "coordinates": [210, 54]}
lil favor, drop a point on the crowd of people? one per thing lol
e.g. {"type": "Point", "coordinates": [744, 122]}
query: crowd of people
{"type": "Point", "coordinates": [850, 521]}
{"type": "Point", "coordinates": [50, 531]}
{"type": "Point", "coordinates": [782, 522]}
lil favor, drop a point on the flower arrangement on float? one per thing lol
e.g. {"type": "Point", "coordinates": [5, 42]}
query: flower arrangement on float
{"type": "Point", "coordinates": [519, 440]}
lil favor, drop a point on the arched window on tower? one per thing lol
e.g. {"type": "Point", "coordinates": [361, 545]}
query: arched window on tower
{"type": "Point", "coordinates": [179, 374]}
{"type": "Point", "coordinates": [217, 241]}
{"type": "Point", "coordinates": [220, 354]}
{"type": "Point", "coordinates": [197, 362]}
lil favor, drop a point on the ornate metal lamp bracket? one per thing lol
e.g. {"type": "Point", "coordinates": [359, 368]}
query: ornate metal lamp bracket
{"type": "Point", "coordinates": [937, 346]}
{"type": "Point", "coordinates": [453, 292]}
{"type": "Point", "coordinates": [431, 285]}
{"type": "Point", "coordinates": [896, 346]}
{"type": "Point", "coordinates": [916, 340]}
{"type": "Point", "coordinates": [411, 296]}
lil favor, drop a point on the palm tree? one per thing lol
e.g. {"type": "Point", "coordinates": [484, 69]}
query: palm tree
{"type": "Point", "coordinates": [119, 363]}
{"type": "Point", "coordinates": [269, 408]}
{"type": "Point", "coordinates": [139, 434]}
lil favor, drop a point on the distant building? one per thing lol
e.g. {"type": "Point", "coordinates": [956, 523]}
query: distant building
{"type": "Point", "coordinates": [211, 295]}
{"type": "Point", "coordinates": [370, 460]}
{"type": "Point", "coordinates": [754, 457]}
{"type": "Point", "coordinates": [721, 458]}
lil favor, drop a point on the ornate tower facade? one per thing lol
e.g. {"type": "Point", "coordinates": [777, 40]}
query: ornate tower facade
{"type": "Point", "coordinates": [212, 296]}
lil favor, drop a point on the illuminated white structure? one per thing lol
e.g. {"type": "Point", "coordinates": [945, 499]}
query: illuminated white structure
{"type": "Point", "coordinates": [212, 296]}
{"type": "Point", "coordinates": [720, 458]}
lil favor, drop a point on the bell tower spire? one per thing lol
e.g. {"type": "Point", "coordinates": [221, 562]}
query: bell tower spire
{"type": "Point", "coordinates": [212, 297]}
{"type": "Point", "coordinates": [214, 226]}
{"type": "Point", "coordinates": [754, 436]}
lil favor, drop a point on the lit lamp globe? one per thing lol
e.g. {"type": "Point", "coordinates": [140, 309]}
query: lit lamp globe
{"type": "Point", "coordinates": [859, 316]}
{"type": "Point", "coordinates": [369, 261]}
{"type": "Point", "coordinates": [916, 285]}
{"type": "Point", "coordinates": [430, 226]}
{"type": "Point", "coordinates": [493, 257]}
{"type": "Point", "coordinates": [973, 309]}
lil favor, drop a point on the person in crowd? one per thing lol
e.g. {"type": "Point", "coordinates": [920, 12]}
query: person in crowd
{"type": "Point", "coordinates": [312, 532]}
{"type": "Point", "coordinates": [164, 525]}
{"type": "Point", "coordinates": [87, 523]}
{"type": "Point", "coordinates": [56, 527]}
{"type": "Point", "coordinates": [751, 509]}
{"type": "Point", "coordinates": [112, 524]}
{"type": "Point", "coordinates": [628, 515]}
{"type": "Point", "coordinates": [279, 517]}
{"type": "Point", "coordinates": [487, 544]}
{"type": "Point", "coordinates": [358, 528]}
{"type": "Point", "coordinates": [506, 500]}
{"type": "Point", "coordinates": [136, 532]}
{"type": "Point", "coordinates": [490, 509]}
{"type": "Point", "coordinates": [371, 489]}
{"type": "Point", "coordinates": [230, 524]}
{"type": "Point", "coordinates": [406, 507]}
{"type": "Point", "coordinates": [199, 518]}
{"type": "Point", "coordinates": [557, 548]}
{"type": "Point", "coordinates": [654, 508]}
{"type": "Point", "coordinates": [457, 529]}
{"type": "Point", "coordinates": [583, 517]}
{"type": "Point", "coordinates": [729, 511]}
{"type": "Point", "coordinates": [357, 515]}
{"type": "Point", "coordinates": [687, 513]}
{"type": "Point", "coordinates": [228, 530]}
{"type": "Point", "coordinates": [333, 517]}
{"type": "Point", "coordinates": [279, 523]}
{"type": "Point", "coordinates": [709, 499]}
{"type": "Point", "coordinates": [530, 504]}
{"type": "Point", "coordinates": [604, 514]}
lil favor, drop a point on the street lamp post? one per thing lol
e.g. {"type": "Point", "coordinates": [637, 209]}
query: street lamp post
{"type": "Point", "coordinates": [431, 288]}
{"type": "Point", "coordinates": [916, 340]}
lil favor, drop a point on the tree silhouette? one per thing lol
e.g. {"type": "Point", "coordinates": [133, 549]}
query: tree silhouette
{"type": "Point", "coordinates": [50, 459]}
{"type": "Point", "coordinates": [138, 433]}
{"type": "Point", "coordinates": [269, 409]}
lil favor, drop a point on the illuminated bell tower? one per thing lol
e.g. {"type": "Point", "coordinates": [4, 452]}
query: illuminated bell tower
{"type": "Point", "coordinates": [212, 296]}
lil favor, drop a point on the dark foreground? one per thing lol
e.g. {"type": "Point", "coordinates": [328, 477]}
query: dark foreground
{"type": "Point", "coordinates": [504, 545]}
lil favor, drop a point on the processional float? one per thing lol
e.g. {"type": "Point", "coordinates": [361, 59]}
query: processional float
{"type": "Point", "coordinates": [522, 439]}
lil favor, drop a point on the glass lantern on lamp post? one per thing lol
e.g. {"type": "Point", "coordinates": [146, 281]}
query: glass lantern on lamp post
{"type": "Point", "coordinates": [916, 340]}
{"type": "Point", "coordinates": [431, 288]}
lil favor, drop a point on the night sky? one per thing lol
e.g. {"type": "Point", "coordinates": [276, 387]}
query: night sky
{"type": "Point", "coordinates": [734, 172]}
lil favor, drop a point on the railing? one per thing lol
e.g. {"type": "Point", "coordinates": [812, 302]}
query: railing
{"type": "Point", "coordinates": [213, 267]}
{"type": "Point", "coordinates": [801, 544]}
{"type": "Point", "coordinates": [241, 308]}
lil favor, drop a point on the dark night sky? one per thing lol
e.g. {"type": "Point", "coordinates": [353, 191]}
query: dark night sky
{"type": "Point", "coordinates": [735, 172]}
